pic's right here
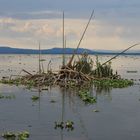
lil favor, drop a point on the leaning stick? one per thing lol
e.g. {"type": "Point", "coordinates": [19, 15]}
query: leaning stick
{"type": "Point", "coordinates": [39, 59]}
{"type": "Point", "coordinates": [26, 71]}
{"type": "Point", "coordinates": [120, 53]}
{"type": "Point", "coordinates": [75, 51]}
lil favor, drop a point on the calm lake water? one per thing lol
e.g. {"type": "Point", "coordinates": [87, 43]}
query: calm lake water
{"type": "Point", "coordinates": [119, 109]}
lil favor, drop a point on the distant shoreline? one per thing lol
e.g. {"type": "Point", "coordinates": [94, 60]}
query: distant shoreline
{"type": "Point", "coordinates": [59, 51]}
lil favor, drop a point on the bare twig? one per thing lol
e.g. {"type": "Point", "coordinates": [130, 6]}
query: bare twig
{"type": "Point", "coordinates": [120, 53]}
{"type": "Point", "coordinates": [75, 51]}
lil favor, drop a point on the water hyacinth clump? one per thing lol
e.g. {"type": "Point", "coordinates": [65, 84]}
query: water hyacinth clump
{"type": "Point", "coordinates": [115, 83]}
{"type": "Point", "coordinates": [68, 125]}
{"type": "Point", "coordinates": [7, 96]}
{"type": "Point", "coordinates": [86, 97]}
{"type": "Point", "coordinates": [16, 136]}
{"type": "Point", "coordinates": [17, 82]}
{"type": "Point", "coordinates": [35, 98]}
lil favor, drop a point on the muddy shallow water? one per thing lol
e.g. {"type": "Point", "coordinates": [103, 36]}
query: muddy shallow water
{"type": "Point", "coordinates": [119, 109]}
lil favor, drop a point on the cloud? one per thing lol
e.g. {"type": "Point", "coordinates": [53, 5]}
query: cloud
{"type": "Point", "coordinates": [6, 23]}
{"type": "Point", "coordinates": [100, 34]}
{"type": "Point", "coordinates": [35, 9]}
{"type": "Point", "coordinates": [33, 15]}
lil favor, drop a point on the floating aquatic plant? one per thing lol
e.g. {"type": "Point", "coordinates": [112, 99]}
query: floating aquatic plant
{"type": "Point", "coordinates": [86, 97]}
{"type": "Point", "coordinates": [115, 83]}
{"type": "Point", "coordinates": [9, 135]}
{"type": "Point", "coordinates": [52, 101]}
{"type": "Point", "coordinates": [68, 125]}
{"type": "Point", "coordinates": [96, 110]}
{"type": "Point", "coordinates": [23, 135]}
{"type": "Point", "coordinates": [7, 96]}
{"type": "Point", "coordinates": [16, 136]}
{"type": "Point", "coordinates": [59, 125]}
{"type": "Point", "coordinates": [35, 98]}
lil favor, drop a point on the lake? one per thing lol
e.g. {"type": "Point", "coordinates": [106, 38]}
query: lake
{"type": "Point", "coordinates": [119, 109]}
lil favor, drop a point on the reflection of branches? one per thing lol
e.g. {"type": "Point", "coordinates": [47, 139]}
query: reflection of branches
{"type": "Point", "coordinates": [100, 89]}
{"type": "Point", "coordinates": [72, 93]}
{"type": "Point", "coordinates": [103, 90]}
{"type": "Point", "coordinates": [82, 124]}
{"type": "Point", "coordinates": [63, 110]}
{"type": "Point", "coordinates": [39, 95]}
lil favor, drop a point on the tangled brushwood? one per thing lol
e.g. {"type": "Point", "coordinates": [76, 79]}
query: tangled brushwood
{"type": "Point", "coordinates": [74, 74]}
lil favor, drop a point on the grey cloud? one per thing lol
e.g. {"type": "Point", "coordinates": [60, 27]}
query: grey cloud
{"type": "Point", "coordinates": [34, 15]}
{"type": "Point", "coordinates": [74, 8]}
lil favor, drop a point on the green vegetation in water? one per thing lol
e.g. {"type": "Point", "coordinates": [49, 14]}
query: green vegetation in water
{"type": "Point", "coordinates": [86, 97]}
{"type": "Point", "coordinates": [16, 136]}
{"type": "Point", "coordinates": [115, 83]}
{"type": "Point", "coordinates": [68, 125]}
{"type": "Point", "coordinates": [104, 71]}
{"type": "Point", "coordinates": [82, 74]}
{"type": "Point", "coordinates": [35, 98]}
{"type": "Point", "coordinates": [30, 84]}
{"type": "Point", "coordinates": [59, 125]}
{"type": "Point", "coordinates": [17, 82]}
{"type": "Point", "coordinates": [96, 110]}
{"type": "Point", "coordinates": [85, 64]}
{"type": "Point", "coordinates": [53, 101]}
{"type": "Point", "coordinates": [4, 81]}
{"type": "Point", "coordinates": [7, 96]}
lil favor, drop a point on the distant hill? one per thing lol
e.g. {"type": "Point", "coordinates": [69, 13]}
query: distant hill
{"type": "Point", "coordinates": [9, 50]}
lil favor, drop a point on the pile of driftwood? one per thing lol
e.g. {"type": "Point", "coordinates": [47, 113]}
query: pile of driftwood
{"type": "Point", "coordinates": [66, 77]}
{"type": "Point", "coordinates": [70, 74]}
{"type": "Point", "coordinates": [74, 74]}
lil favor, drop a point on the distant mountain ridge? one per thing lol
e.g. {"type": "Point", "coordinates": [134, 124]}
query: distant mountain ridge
{"type": "Point", "coordinates": [9, 50]}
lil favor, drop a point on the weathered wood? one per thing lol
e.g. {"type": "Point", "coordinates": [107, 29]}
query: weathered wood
{"type": "Point", "coordinates": [26, 71]}
{"type": "Point", "coordinates": [75, 51]}
{"type": "Point", "coordinates": [120, 53]}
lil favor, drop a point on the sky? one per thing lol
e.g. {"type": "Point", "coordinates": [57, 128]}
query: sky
{"type": "Point", "coordinates": [115, 26]}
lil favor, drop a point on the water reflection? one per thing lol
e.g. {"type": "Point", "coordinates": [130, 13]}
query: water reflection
{"type": "Point", "coordinates": [39, 101]}
{"type": "Point", "coordinates": [102, 89]}
{"type": "Point", "coordinates": [119, 108]}
{"type": "Point", "coordinates": [63, 110]}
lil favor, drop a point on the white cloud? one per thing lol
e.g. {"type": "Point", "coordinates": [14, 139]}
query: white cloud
{"type": "Point", "coordinates": [100, 34]}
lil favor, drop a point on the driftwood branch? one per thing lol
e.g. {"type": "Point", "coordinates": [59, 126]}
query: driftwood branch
{"type": "Point", "coordinates": [120, 53]}
{"type": "Point", "coordinates": [26, 71]}
{"type": "Point", "coordinates": [75, 51]}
